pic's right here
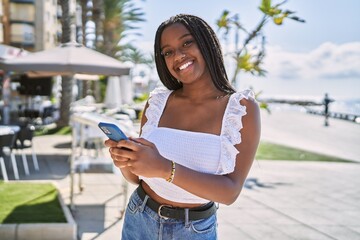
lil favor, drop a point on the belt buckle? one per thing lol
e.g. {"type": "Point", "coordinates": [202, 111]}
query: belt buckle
{"type": "Point", "coordinates": [159, 211]}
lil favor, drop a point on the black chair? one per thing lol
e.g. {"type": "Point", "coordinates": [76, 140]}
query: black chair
{"type": "Point", "coordinates": [7, 141]}
{"type": "Point", "coordinates": [24, 140]}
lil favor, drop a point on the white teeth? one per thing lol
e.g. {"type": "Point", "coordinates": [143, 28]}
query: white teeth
{"type": "Point", "coordinates": [185, 65]}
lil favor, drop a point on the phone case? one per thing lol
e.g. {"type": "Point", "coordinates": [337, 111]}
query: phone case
{"type": "Point", "coordinates": [112, 131]}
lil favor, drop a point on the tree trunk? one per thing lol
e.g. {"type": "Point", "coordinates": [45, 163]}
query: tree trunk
{"type": "Point", "coordinates": [98, 18]}
{"type": "Point", "coordinates": [66, 82]}
{"type": "Point", "coordinates": [84, 19]}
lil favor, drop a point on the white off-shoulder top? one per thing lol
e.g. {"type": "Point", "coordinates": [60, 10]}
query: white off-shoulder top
{"type": "Point", "coordinates": [203, 152]}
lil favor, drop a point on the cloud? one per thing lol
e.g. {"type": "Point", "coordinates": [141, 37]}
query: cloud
{"type": "Point", "coordinates": [289, 70]}
{"type": "Point", "coordinates": [328, 61]}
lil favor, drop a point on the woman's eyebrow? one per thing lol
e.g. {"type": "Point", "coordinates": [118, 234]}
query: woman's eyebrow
{"type": "Point", "coordinates": [183, 36]}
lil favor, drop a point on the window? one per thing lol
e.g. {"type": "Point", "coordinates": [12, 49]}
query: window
{"type": "Point", "coordinates": [22, 12]}
{"type": "Point", "coordinates": [22, 33]}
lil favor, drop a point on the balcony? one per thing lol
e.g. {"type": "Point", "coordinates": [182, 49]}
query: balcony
{"type": "Point", "coordinates": [22, 35]}
{"type": "Point", "coordinates": [22, 13]}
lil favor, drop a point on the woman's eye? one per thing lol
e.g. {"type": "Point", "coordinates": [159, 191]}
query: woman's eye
{"type": "Point", "coordinates": [188, 43]}
{"type": "Point", "coordinates": [167, 53]}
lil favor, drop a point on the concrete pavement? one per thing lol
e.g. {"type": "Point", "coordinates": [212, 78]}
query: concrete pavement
{"type": "Point", "coordinates": [280, 200]}
{"type": "Point", "coordinates": [295, 200]}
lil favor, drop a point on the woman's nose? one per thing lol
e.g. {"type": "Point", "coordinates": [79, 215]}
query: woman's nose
{"type": "Point", "coordinates": [179, 55]}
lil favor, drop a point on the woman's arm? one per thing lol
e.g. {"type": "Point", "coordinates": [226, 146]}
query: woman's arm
{"type": "Point", "coordinates": [226, 189]}
{"type": "Point", "coordinates": [146, 161]}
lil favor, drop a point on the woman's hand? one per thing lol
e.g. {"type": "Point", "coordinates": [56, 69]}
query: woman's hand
{"type": "Point", "coordinates": [121, 162]}
{"type": "Point", "coordinates": [140, 157]}
{"type": "Point", "coordinates": [115, 154]}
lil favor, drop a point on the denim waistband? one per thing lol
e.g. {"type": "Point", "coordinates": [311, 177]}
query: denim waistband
{"type": "Point", "coordinates": [166, 211]}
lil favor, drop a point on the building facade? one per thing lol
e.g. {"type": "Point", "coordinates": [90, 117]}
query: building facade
{"type": "Point", "coordinates": [33, 25]}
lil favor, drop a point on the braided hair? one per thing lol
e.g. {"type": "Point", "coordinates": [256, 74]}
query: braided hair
{"type": "Point", "coordinates": [209, 47]}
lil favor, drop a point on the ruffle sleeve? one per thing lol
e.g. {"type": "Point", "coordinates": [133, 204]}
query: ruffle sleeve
{"type": "Point", "coordinates": [230, 133]}
{"type": "Point", "coordinates": [156, 104]}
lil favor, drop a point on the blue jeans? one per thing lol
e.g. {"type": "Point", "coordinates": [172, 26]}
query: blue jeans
{"type": "Point", "coordinates": [142, 223]}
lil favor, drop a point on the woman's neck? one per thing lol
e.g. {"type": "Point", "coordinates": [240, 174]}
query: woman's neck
{"type": "Point", "coordinates": [199, 94]}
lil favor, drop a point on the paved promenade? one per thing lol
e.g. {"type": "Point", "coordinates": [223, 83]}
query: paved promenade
{"type": "Point", "coordinates": [301, 130]}
{"type": "Point", "coordinates": [280, 200]}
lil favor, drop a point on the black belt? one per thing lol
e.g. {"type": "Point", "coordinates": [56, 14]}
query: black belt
{"type": "Point", "coordinates": [166, 211]}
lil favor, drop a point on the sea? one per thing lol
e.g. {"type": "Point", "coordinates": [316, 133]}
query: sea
{"type": "Point", "coordinates": [350, 106]}
{"type": "Point", "coordinates": [344, 106]}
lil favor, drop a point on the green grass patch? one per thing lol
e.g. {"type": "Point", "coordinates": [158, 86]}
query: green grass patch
{"type": "Point", "coordinates": [30, 203]}
{"type": "Point", "coordinates": [53, 131]}
{"type": "Point", "coordinates": [271, 151]}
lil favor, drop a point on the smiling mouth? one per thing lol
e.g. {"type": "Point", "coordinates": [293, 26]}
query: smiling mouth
{"type": "Point", "coordinates": [184, 66]}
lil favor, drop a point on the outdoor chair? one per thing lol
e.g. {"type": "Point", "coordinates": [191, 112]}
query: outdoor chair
{"type": "Point", "coordinates": [7, 142]}
{"type": "Point", "coordinates": [24, 140]}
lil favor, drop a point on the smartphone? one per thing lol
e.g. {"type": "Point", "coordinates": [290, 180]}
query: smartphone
{"type": "Point", "coordinates": [112, 131]}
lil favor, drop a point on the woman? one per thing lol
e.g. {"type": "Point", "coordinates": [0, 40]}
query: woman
{"type": "Point", "coordinates": [198, 139]}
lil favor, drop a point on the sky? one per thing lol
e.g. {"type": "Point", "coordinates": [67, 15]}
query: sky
{"type": "Point", "coordinates": [303, 60]}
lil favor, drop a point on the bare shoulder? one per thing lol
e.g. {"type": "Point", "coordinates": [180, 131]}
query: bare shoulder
{"type": "Point", "coordinates": [252, 106]}
{"type": "Point", "coordinates": [248, 102]}
{"type": "Point", "coordinates": [251, 121]}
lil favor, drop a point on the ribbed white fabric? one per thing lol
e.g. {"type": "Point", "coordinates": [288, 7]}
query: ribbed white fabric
{"type": "Point", "coordinates": [202, 152]}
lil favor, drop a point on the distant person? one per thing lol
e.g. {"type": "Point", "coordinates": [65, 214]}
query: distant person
{"type": "Point", "coordinates": [326, 103]}
{"type": "Point", "coordinates": [198, 139]}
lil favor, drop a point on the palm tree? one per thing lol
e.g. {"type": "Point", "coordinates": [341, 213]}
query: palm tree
{"type": "Point", "coordinates": [66, 82]}
{"type": "Point", "coordinates": [113, 20]}
{"type": "Point", "coordinates": [119, 19]}
{"type": "Point", "coordinates": [135, 56]}
{"type": "Point", "coordinates": [113, 24]}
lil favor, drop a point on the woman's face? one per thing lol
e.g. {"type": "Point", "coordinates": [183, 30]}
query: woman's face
{"type": "Point", "coordinates": [182, 54]}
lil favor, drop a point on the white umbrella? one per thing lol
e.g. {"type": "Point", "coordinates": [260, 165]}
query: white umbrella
{"type": "Point", "coordinates": [66, 59]}
{"type": "Point", "coordinates": [113, 98]}
{"type": "Point", "coordinates": [8, 52]}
